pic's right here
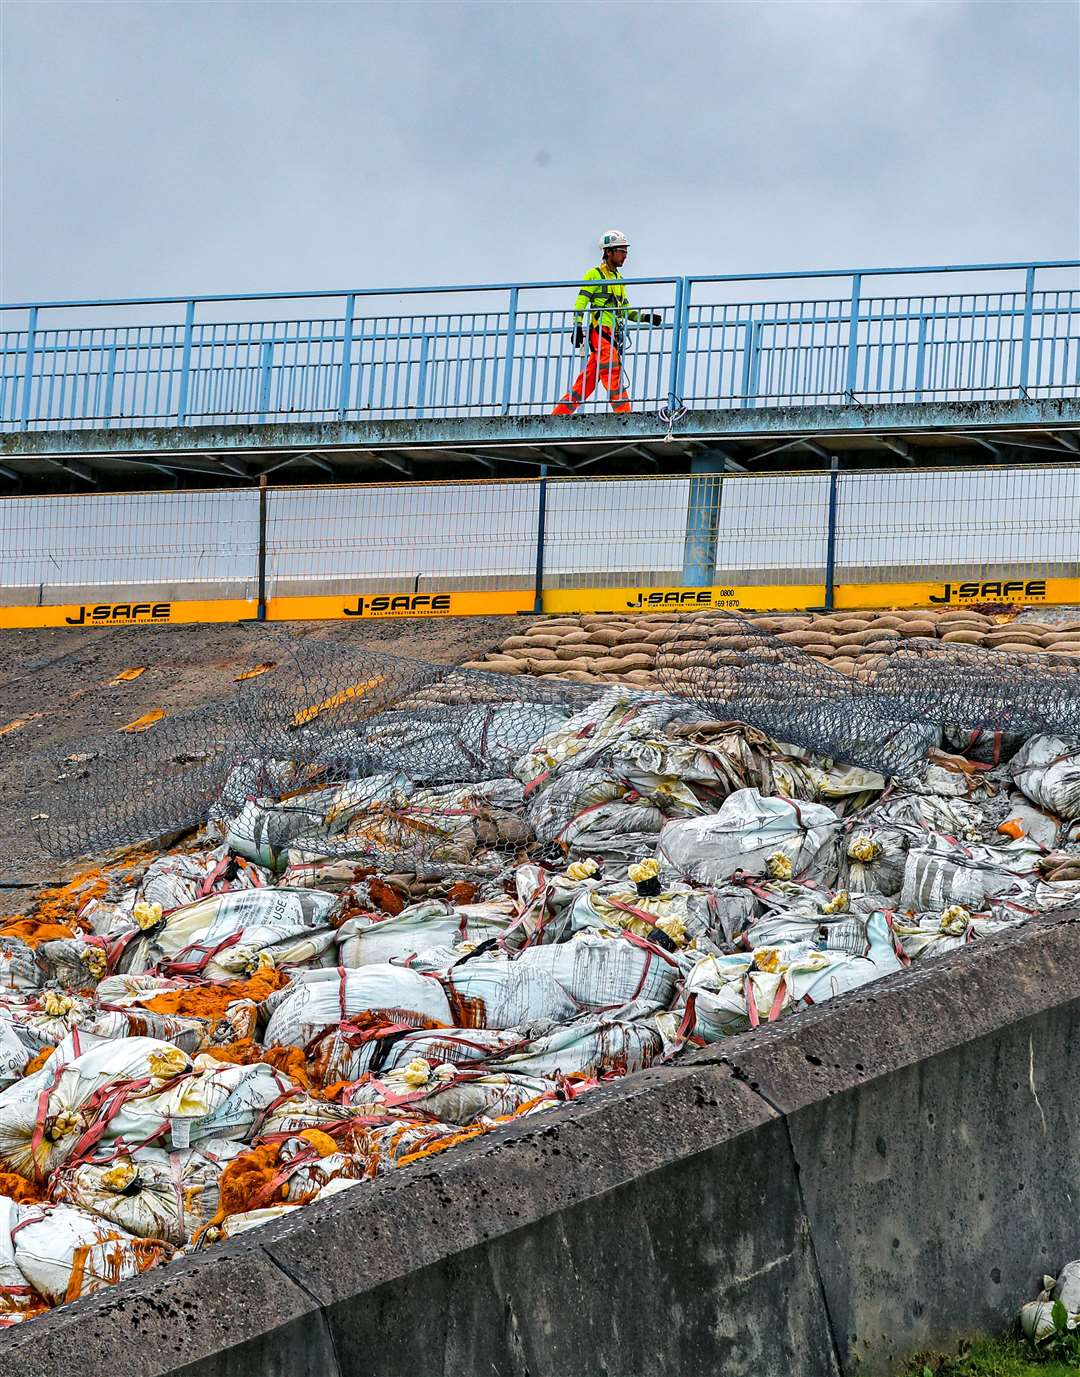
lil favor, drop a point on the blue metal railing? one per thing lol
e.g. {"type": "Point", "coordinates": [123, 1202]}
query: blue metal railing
{"type": "Point", "coordinates": [735, 340]}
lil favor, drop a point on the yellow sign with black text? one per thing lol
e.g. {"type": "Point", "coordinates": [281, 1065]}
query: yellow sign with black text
{"type": "Point", "coordinates": [557, 602]}
{"type": "Point", "coordinates": [378, 605]}
{"type": "Point", "coordinates": [750, 598]}
{"type": "Point", "coordinates": [102, 614]}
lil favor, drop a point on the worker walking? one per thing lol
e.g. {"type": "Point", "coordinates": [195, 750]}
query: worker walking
{"type": "Point", "coordinates": [601, 311]}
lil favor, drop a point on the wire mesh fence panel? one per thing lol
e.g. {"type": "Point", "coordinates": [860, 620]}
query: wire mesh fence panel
{"type": "Point", "coordinates": [610, 532]}
{"type": "Point", "coordinates": [404, 537]}
{"type": "Point", "coordinates": [896, 525]}
{"type": "Point", "coordinates": [183, 544]}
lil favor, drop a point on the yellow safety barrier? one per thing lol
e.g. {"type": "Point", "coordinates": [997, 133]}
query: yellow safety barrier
{"type": "Point", "coordinates": [557, 602]}
{"type": "Point", "coordinates": [126, 614]}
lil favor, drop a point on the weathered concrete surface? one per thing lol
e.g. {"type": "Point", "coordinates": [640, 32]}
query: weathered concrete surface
{"type": "Point", "coordinates": [825, 1196]}
{"type": "Point", "coordinates": [418, 433]}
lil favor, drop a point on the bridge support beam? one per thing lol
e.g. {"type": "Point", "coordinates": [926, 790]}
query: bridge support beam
{"type": "Point", "coordinates": [703, 520]}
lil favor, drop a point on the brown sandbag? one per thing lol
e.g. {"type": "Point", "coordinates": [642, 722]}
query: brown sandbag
{"type": "Point", "coordinates": [923, 627]}
{"type": "Point", "coordinates": [962, 636]}
{"type": "Point", "coordinates": [799, 638]}
{"type": "Point", "coordinates": [627, 663]}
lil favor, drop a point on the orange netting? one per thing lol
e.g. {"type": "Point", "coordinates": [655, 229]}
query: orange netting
{"type": "Point", "coordinates": [211, 1001]}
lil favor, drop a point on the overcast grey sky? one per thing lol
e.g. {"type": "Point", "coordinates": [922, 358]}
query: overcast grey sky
{"type": "Point", "coordinates": [158, 148]}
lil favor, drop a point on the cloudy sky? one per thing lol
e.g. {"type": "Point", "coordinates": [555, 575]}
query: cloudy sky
{"type": "Point", "coordinates": [160, 148]}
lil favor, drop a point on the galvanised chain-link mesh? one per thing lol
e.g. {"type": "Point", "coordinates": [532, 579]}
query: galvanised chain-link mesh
{"type": "Point", "coordinates": [740, 672]}
{"type": "Point", "coordinates": [117, 789]}
{"type": "Point", "coordinates": [975, 687]}
{"type": "Point", "coordinates": [393, 761]}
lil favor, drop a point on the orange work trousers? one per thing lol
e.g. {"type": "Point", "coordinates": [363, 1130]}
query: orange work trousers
{"type": "Point", "coordinates": [604, 364]}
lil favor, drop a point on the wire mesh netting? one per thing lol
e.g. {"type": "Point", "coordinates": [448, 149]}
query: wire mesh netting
{"type": "Point", "coordinates": [349, 752]}
{"type": "Point", "coordinates": [735, 670]}
{"type": "Point", "coordinates": [975, 687]}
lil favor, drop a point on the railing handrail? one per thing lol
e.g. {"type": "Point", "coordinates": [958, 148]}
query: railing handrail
{"type": "Point", "coordinates": [543, 285]}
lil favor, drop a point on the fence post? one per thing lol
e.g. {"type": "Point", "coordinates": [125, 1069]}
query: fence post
{"type": "Point", "coordinates": [1025, 346]}
{"type": "Point", "coordinates": [853, 334]}
{"type": "Point", "coordinates": [28, 377]}
{"type": "Point", "coordinates": [346, 357]}
{"type": "Point", "coordinates": [511, 339]}
{"type": "Point", "coordinates": [261, 611]}
{"type": "Point", "coordinates": [110, 379]}
{"type": "Point", "coordinates": [185, 365]}
{"type": "Point", "coordinates": [830, 545]}
{"type": "Point", "coordinates": [675, 373]}
{"type": "Point", "coordinates": [541, 525]}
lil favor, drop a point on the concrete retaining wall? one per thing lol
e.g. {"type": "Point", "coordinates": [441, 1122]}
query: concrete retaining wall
{"type": "Point", "coordinates": [827, 1196]}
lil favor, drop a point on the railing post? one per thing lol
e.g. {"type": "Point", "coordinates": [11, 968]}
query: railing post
{"type": "Point", "coordinates": [1025, 346]}
{"type": "Point", "coordinates": [185, 365]}
{"type": "Point", "coordinates": [261, 611]}
{"type": "Point", "coordinates": [830, 545]}
{"type": "Point", "coordinates": [920, 359]}
{"type": "Point", "coordinates": [675, 371]}
{"type": "Point", "coordinates": [421, 380]}
{"type": "Point", "coordinates": [853, 335]}
{"type": "Point", "coordinates": [267, 355]}
{"type": "Point", "coordinates": [511, 340]}
{"type": "Point", "coordinates": [110, 379]}
{"type": "Point", "coordinates": [28, 375]}
{"type": "Point", "coordinates": [346, 357]}
{"type": "Point", "coordinates": [750, 347]}
{"type": "Point", "coordinates": [541, 528]}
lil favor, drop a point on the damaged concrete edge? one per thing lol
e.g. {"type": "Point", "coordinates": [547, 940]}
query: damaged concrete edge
{"type": "Point", "coordinates": [276, 1285]}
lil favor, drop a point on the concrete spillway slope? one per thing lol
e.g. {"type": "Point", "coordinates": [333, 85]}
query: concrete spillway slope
{"type": "Point", "coordinates": [826, 1195]}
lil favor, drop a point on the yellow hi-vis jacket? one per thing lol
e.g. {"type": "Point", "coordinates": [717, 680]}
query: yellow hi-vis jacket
{"type": "Point", "coordinates": [606, 303]}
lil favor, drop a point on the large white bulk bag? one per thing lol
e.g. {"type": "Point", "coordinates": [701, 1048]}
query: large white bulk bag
{"type": "Point", "coordinates": [153, 1193]}
{"type": "Point", "coordinates": [215, 1100]}
{"type": "Point", "coordinates": [371, 941]}
{"type": "Point", "coordinates": [749, 834]}
{"type": "Point", "coordinates": [42, 1116]}
{"type": "Point", "coordinates": [1047, 769]}
{"type": "Point", "coordinates": [319, 999]}
{"type": "Point", "coordinates": [65, 1253]}
{"type": "Point", "coordinates": [218, 938]}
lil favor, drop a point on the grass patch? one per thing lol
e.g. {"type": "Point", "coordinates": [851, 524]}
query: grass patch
{"type": "Point", "coordinates": [1008, 1357]}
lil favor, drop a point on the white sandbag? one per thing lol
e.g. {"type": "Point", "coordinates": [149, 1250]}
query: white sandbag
{"type": "Point", "coordinates": [497, 992]}
{"type": "Point", "coordinates": [65, 1253]}
{"type": "Point", "coordinates": [371, 941]}
{"type": "Point", "coordinates": [19, 969]}
{"type": "Point", "coordinates": [604, 1045]}
{"type": "Point", "coordinates": [174, 881]}
{"type": "Point", "coordinates": [152, 1193]}
{"type": "Point", "coordinates": [875, 861]}
{"type": "Point", "coordinates": [319, 999]}
{"type": "Point", "coordinates": [41, 1116]}
{"type": "Point", "coordinates": [345, 1054]}
{"type": "Point", "coordinates": [220, 937]}
{"type": "Point", "coordinates": [685, 917]}
{"type": "Point", "coordinates": [18, 1299]}
{"type": "Point", "coordinates": [458, 1097]}
{"type": "Point", "coordinates": [14, 1054]}
{"type": "Point", "coordinates": [213, 1100]}
{"type": "Point", "coordinates": [605, 971]}
{"type": "Point", "coordinates": [1047, 769]}
{"type": "Point", "coordinates": [753, 835]}
{"type": "Point", "coordinates": [939, 872]}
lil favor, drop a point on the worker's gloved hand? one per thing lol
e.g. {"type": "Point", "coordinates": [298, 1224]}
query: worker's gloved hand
{"type": "Point", "coordinates": [579, 336]}
{"type": "Point", "coordinates": [652, 318]}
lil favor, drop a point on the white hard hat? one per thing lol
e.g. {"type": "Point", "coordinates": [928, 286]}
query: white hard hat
{"type": "Point", "coordinates": [614, 239]}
